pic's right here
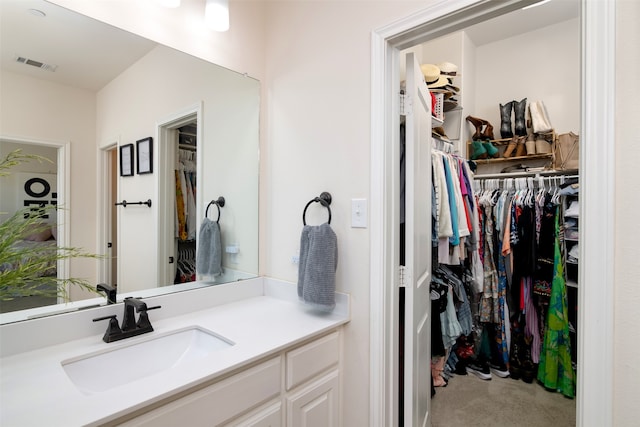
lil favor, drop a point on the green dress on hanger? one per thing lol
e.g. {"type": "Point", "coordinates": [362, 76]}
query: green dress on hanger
{"type": "Point", "coordinates": [555, 370]}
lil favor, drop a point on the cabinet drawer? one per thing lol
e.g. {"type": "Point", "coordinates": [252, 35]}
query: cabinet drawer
{"type": "Point", "coordinates": [219, 402]}
{"type": "Point", "coordinates": [268, 416]}
{"type": "Point", "coordinates": [309, 360]}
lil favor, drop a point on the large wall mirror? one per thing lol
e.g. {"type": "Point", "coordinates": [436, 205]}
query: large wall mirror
{"type": "Point", "coordinates": [125, 119]}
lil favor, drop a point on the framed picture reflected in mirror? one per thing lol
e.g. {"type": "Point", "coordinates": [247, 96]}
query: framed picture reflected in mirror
{"type": "Point", "coordinates": [126, 160]}
{"type": "Point", "coordinates": [144, 147]}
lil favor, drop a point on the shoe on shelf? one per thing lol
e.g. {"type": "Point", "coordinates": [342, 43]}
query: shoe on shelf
{"type": "Point", "coordinates": [480, 370]}
{"type": "Point", "coordinates": [542, 145]}
{"type": "Point", "coordinates": [488, 131]}
{"type": "Point", "coordinates": [492, 151]}
{"type": "Point", "coordinates": [499, 369]}
{"type": "Point", "coordinates": [477, 123]}
{"type": "Point", "coordinates": [510, 151]}
{"type": "Point", "coordinates": [530, 144]}
{"type": "Point", "coordinates": [519, 110]}
{"type": "Point", "coordinates": [478, 151]}
{"type": "Point", "coordinates": [505, 120]}
{"type": "Point", "coordinates": [521, 148]}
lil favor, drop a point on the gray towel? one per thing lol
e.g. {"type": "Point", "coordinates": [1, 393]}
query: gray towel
{"type": "Point", "coordinates": [317, 268]}
{"type": "Point", "coordinates": [209, 259]}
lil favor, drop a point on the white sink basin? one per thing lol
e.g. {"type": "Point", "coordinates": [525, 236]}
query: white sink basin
{"type": "Point", "coordinates": [101, 371]}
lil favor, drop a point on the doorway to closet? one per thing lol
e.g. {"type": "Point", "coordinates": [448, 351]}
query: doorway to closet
{"type": "Point", "coordinates": [472, 339]}
{"type": "Point", "coordinates": [597, 40]}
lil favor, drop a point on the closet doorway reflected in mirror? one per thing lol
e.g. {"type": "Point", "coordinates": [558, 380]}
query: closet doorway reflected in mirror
{"type": "Point", "coordinates": [108, 213]}
{"type": "Point", "coordinates": [179, 162]}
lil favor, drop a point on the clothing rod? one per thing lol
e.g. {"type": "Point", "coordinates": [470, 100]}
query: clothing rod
{"type": "Point", "coordinates": [534, 174]}
{"type": "Point", "coordinates": [187, 133]}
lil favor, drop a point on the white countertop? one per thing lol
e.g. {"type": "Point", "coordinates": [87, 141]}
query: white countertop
{"type": "Point", "coordinates": [35, 390]}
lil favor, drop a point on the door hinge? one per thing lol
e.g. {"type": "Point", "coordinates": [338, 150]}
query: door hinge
{"type": "Point", "coordinates": [403, 276]}
{"type": "Point", "coordinates": [405, 104]}
{"type": "Point", "coordinates": [171, 260]}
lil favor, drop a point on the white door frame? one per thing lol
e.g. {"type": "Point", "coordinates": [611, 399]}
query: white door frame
{"type": "Point", "coordinates": [63, 198]}
{"type": "Point", "coordinates": [596, 274]}
{"type": "Point", "coordinates": [105, 213]}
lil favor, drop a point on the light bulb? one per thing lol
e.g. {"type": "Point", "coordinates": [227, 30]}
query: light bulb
{"type": "Point", "coordinates": [216, 15]}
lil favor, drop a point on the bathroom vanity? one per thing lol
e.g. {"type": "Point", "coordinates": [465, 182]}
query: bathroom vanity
{"type": "Point", "coordinates": [250, 354]}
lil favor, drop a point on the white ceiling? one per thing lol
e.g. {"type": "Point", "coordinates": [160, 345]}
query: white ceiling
{"type": "Point", "coordinates": [88, 53]}
{"type": "Point", "coordinates": [522, 21]}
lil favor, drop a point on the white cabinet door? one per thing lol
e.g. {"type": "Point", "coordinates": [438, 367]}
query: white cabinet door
{"type": "Point", "coordinates": [317, 404]}
{"type": "Point", "coordinates": [417, 385]}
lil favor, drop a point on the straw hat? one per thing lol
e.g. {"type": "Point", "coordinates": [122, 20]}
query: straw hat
{"type": "Point", "coordinates": [432, 76]}
{"type": "Point", "coordinates": [448, 69]}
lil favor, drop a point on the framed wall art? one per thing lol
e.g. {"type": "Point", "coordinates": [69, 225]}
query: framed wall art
{"type": "Point", "coordinates": [126, 160]}
{"type": "Point", "coordinates": [145, 155]}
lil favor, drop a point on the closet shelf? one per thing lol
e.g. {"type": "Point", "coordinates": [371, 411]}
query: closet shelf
{"type": "Point", "coordinates": [509, 159]}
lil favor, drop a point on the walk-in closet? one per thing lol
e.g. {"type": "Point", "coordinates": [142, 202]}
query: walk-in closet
{"type": "Point", "coordinates": [505, 188]}
{"type": "Point", "coordinates": [185, 203]}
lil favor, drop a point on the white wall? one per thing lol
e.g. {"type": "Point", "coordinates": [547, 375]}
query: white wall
{"type": "Point", "coordinates": [627, 264]}
{"type": "Point", "coordinates": [37, 110]}
{"type": "Point", "coordinates": [318, 88]}
{"type": "Point", "coordinates": [165, 82]}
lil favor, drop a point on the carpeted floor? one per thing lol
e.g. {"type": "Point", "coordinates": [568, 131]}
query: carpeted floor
{"type": "Point", "coordinates": [500, 402]}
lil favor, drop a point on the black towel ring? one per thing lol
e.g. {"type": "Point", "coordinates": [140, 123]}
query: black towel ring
{"type": "Point", "coordinates": [219, 204]}
{"type": "Point", "coordinates": [324, 200]}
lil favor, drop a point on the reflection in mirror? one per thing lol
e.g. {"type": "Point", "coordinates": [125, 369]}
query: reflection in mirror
{"type": "Point", "coordinates": [104, 89]}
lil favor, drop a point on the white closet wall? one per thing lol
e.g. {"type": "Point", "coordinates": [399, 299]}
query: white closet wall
{"type": "Point", "coordinates": [540, 65]}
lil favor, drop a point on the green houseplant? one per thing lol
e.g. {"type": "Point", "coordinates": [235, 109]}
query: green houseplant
{"type": "Point", "coordinates": [24, 269]}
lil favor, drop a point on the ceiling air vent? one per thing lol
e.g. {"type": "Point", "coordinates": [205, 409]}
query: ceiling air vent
{"type": "Point", "coordinates": [37, 64]}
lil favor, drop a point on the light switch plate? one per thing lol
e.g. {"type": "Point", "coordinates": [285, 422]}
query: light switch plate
{"type": "Point", "coordinates": [359, 213]}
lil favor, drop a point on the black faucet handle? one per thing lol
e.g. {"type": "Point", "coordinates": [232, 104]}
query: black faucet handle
{"type": "Point", "coordinates": [113, 330]}
{"type": "Point", "coordinates": [143, 319]}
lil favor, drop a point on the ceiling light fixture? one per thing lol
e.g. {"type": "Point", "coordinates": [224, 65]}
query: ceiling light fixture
{"type": "Point", "coordinates": [216, 15]}
{"type": "Point", "coordinates": [169, 3]}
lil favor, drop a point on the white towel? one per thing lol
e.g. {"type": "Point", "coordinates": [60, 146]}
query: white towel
{"type": "Point", "coordinates": [317, 268]}
{"type": "Point", "coordinates": [209, 259]}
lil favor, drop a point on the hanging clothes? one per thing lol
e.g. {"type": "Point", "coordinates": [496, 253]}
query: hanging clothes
{"type": "Point", "coordinates": [555, 370]}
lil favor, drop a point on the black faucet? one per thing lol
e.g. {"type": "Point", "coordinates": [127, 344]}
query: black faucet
{"type": "Point", "coordinates": [110, 292]}
{"type": "Point", "coordinates": [130, 327]}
